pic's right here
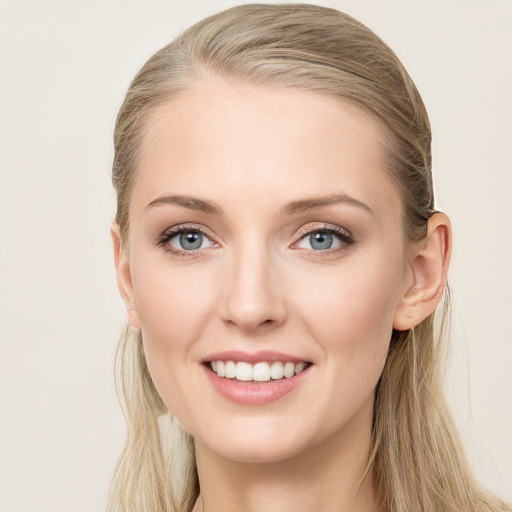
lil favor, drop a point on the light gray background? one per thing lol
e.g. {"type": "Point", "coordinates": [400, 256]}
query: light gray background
{"type": "Point", "coordinates": [64, 67]}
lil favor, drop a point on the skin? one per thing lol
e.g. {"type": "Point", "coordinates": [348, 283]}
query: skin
{"type": "Point", "coordinates": [257, 283]}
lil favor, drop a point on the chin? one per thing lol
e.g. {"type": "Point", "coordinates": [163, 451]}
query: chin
{"type": "Point", "coordinates": [254, 453]}
{"type": "Point", "coordinates": [268, 445]}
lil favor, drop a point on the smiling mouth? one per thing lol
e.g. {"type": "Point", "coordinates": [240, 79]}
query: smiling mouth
{"type": "Point", "coordinates": [259, 372]}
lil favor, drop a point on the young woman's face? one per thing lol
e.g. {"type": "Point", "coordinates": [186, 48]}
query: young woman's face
{"type": "Point", "coordinates": [265, 237]}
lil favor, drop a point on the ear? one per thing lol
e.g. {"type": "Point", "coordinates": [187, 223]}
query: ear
{"type": "Point", "coordinates": [429, 260]}
{"type": "Point", "coordinates": [124, 278]}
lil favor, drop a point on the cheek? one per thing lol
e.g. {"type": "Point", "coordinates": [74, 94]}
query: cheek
{"type": "Point", "coordinates": [353, 296]}
{"type": "Point", "coordinates": [351, 322]}
{"type": "Point", "coordinates": [172, 304]}
{"type": "Point", "coordinates": [351, 316]}
{"type": "Point", "coordinates": [174, 308]}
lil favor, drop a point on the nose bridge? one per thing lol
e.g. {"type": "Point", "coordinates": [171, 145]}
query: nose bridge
{"type": "Point", "coordinates": [253, 296]}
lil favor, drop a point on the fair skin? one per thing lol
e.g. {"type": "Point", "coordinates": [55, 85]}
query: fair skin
{"type": "Point", "coordinates": [257, 269]}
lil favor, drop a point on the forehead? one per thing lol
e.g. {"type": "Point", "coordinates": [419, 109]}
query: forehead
{"type": "Point", "coordinates": [239, 141]}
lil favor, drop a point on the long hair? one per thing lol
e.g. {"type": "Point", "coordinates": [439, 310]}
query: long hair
{"type": "Point", "coordinates": [416, 458]}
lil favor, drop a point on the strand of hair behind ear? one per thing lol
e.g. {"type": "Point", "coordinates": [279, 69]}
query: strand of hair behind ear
{"type": "Point", "coordinates": [419, 462]}
{"type": "Point", "coordinates": [143, 476]}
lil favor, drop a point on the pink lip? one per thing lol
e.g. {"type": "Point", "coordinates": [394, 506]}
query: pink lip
{"type": "Point", "coordinates": [253, 358]}
{"type": "Point", "coordinates": [253, 393]}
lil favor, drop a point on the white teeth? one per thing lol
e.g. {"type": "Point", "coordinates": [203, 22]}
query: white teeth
{"type": "Point", "coordinates": [230, 370]}
{"type": "Point", "coordinates": [243, 371]}
{"type": "Point", "coordinates": [259, 372]}
{"type": "Point", "coordinates": [289, 370]}
{"type": "Point", "coordinates": [299, 367]}
{"type": "Point", "coordinates": [276, 370]}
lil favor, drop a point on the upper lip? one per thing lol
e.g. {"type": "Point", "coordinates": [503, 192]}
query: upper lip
{"type": "Point", "coordinates": [253, 357]}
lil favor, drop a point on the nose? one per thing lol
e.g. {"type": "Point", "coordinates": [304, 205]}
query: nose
{"type": "Point", "coordinates": [254, 297]}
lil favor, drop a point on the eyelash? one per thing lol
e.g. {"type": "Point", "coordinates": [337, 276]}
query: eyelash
{"type": "Point", "coordinates": [344, 236]}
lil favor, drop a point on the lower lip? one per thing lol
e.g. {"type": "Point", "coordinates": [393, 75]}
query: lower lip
{"type": "Point", "coordinates": [254, 393]}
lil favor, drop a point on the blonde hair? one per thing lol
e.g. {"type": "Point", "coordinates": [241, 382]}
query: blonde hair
{"type": "Point", "coordinates": [416, 458]}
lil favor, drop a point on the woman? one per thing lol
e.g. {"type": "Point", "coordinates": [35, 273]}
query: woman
{"type": "Point", "coordinates": [280, 259]}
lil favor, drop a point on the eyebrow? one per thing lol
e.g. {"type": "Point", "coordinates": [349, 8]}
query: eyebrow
{"type": "Point", "coordinates": [319, 202]}
{"type": "Point", "coordinates": [301, 205]}
{"type": "Point", "coordinates": [190, 202]}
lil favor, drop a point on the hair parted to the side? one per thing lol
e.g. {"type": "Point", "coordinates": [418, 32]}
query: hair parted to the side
{"type": "Point", "coordinates": [417, 459]}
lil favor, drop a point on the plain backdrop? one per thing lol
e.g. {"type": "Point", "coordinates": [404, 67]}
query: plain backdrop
{"type": "Point", "coordinates": [64, 68]}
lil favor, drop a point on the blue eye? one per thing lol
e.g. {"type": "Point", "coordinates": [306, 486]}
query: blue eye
{"type": "Point", "coordinates": [190, 240]}
{"type": "Point", "coordinates": [325, 239]}
{"type": "Point", "coordinates": [321, 241]}
{"type": "Point", "coordinates": [183, 239]}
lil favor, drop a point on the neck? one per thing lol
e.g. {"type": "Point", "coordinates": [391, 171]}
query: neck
{"type": "Point", "coordinates": [329, 476]}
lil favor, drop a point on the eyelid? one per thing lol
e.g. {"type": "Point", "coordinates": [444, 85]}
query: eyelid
{"type": "Point", "coordinates": [178, 228]}
{"type": "Point", "coordinates": [308, 229]}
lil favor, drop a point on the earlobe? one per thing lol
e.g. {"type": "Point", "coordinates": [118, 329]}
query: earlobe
{"type": "Point", "coordinates": [124, 278]}
{"type": "Point", "coordinates": [429, 262]}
